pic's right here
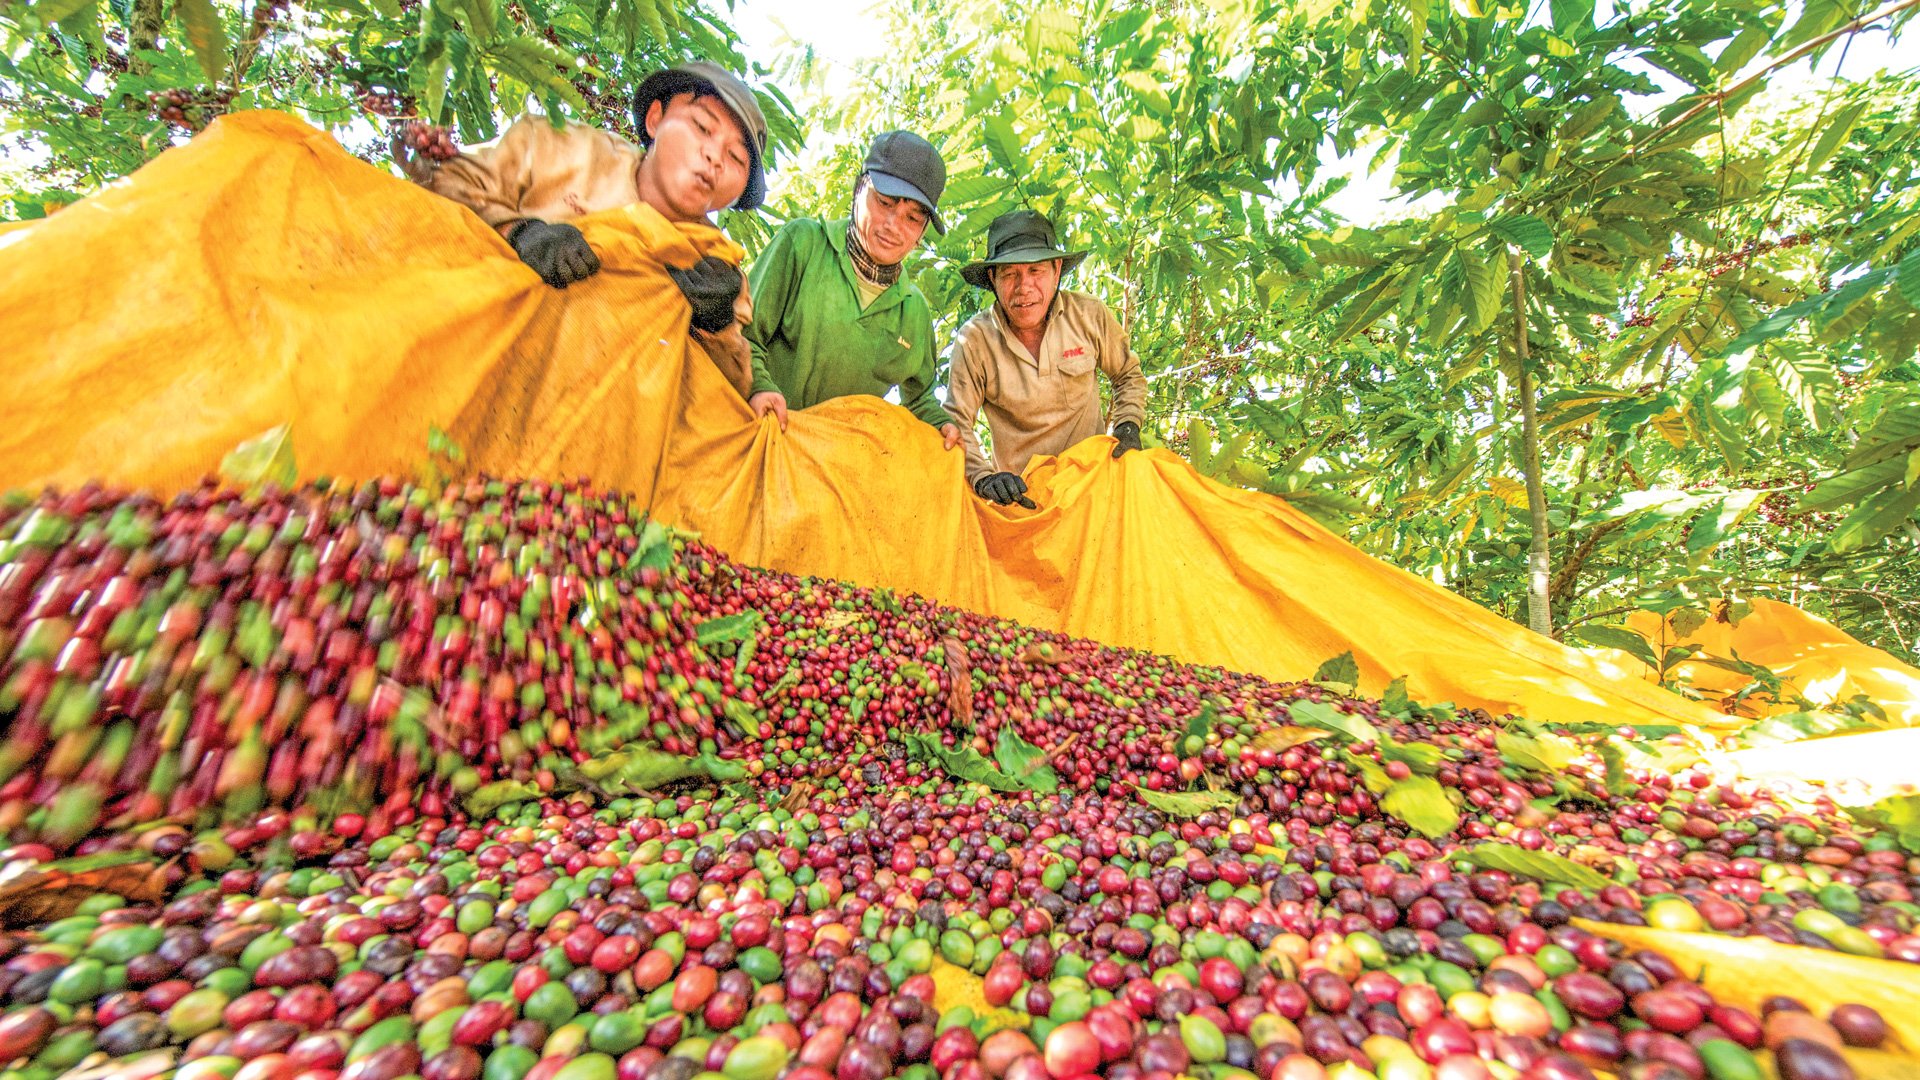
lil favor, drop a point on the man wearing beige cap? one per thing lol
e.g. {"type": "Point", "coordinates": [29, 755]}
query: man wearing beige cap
{"type": "Point", "coordinates": [1029, 361]}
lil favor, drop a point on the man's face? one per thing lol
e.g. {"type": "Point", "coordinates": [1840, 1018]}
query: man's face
{"type": "Point", "coordinates": [1026, 291]}
{"type": "Point", "coordinates": [889, 226]}
{"type": "Point", "coordinates": [699, 160]}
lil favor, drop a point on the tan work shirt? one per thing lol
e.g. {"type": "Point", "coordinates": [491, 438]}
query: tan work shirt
{"type": "Point", "coordinates": [538, 171]}
{"type": "Point", "coordinates": [1041, 404]}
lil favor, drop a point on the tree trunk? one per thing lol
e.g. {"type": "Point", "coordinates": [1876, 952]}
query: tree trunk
{"type": "Point", "coordinates": [143, 34]}
{"type": "Point", "coordinates": [1539, 557]}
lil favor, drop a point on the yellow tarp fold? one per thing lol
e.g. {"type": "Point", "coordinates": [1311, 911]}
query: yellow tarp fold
{"type": "Point", "coordinates": [261, 276]}
{"type": "Point", "coordinates": [1814, 658]}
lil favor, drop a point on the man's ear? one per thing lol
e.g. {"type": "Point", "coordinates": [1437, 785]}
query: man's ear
{"type": "Point", "coordinates": [655, 112]}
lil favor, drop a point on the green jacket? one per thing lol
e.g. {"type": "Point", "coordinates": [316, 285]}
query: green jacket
{"type": "Point", "coordinates": [812, 343]}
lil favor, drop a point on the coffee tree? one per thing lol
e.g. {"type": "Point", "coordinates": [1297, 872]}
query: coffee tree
{"type": "Point", "coordinates": [1643, 341]}
{"type": "Point", "coordinates": [91, 90]}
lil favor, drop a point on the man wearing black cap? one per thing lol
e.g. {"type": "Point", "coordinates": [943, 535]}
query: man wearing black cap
{"type": "Point", "coordinates": [1030, 358]}
{"type": "Point", "coordinates": [833, 313]}
{"type": "Point", "coordinates": [703, 148]}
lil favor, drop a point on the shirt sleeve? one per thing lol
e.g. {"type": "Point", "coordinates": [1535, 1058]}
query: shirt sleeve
{"type": "Point", "coordinates": [493, 180]}
{"type": "Point", "coordinates": [916, 393]}
{"type": "Point", "coordinates": [773, 279]}
{"type": "Point", "coordinates": [966, 391]}
{"type": "Point", "coordinates": [1122, 366]}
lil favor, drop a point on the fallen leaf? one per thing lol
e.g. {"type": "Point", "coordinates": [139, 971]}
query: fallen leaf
{"type": "Point", "coordinates": [959, 682]}
{"type": "Point", "coordinates": [46, 892]}
{"type": "Point", "coordinates": [1282, 738]}
{"type": "Point", "coordinates": [797, 797]}
{"type": "Point", "coordinates": [1043, 652]}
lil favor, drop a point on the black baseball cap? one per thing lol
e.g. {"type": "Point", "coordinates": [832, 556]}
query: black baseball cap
{"type": "Point", "coordinates": [702, 76]}
{"type": "Point", "coordinates": [903, 165]}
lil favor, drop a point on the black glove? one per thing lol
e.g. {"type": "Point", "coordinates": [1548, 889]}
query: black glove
{"type": "Point", "coordinates": [710, 285]}
{"type": "Point", "coordinates": [1005, 489]}
{"type": "Point", "coordinates": [1128, 433]}
{"type": "Point", "coordinates": [558, 253]}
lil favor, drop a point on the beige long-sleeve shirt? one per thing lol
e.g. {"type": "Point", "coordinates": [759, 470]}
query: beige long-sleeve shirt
{"type": "Point", "coordinates": [1041, 404]}
{"type": "Point", "coordinates": [535, 170]}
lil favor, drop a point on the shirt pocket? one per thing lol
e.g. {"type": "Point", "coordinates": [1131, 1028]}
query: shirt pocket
{"type": "Point", "coordinates": [1076, 362]}
{"type": "Point", "coordinates": [895, 358]}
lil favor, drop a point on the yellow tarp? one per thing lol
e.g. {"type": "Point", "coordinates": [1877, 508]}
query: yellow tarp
{"type": "Point", "coordinates": [1816, 659]}
{"type": "Point", "coordinates": [1744, 972]}
{"type": "Point", "coordinates": [261, 276]}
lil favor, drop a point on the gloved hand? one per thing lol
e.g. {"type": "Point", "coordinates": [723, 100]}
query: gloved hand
{"type": "Point", "coordinates": [1005, 489]}
{"type": "Point", "coordinates": [558, 253]}
{"type": "Point", "coordinates": [1128, 434]}
{"type": "Point", "coordinates": [711, 286]}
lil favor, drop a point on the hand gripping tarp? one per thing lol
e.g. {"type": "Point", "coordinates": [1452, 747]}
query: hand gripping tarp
{"type": "Point", "coordinates": [261, 276]}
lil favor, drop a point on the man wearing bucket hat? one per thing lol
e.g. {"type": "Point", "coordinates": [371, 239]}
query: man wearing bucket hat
{"type": "Point", "coordinates": [834, 315]}
{"type": "Point", "coordinates": [1029, 360]}
{"type": "Point", "coordinates": [702, 148]}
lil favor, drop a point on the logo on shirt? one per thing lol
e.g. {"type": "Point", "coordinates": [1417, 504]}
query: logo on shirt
{"type": "Point", "coordinates": [1073, 352]}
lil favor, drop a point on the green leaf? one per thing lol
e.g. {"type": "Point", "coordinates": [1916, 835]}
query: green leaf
{"type": "Point", "coordinates": [1572, 16]}
{"type": "Point", "coordinates": [1372, 775]}
{"type": "Point", "coordinates": [1200, 725]}
{"type": "Point", "coordinates": [1422, 758]}
{"type": "Point", "coordinates": [1486, 281]}
{"type": "Point", "coordinates": [1874, 519]}
{"type": "Point", "coordinates": [267, 458]}
{"type": "Point", "coordinates": [479, 20]}
{"type": "Point", "coordinates": [1896, 814]}
{"type": "Point", "coordinates": [53, 12]}
{"type": "Point", "coordinates": [1526, 232]}
{"type": "Point", "coordinates": [1422, 803]}
{"type": "Point", "coordinates": [654, 550]}
{"type": "Point", "coordinates": [1003, 144]}
{"type": "Point", "coordinates": [1661, 757]}
{"type": "Point", "coordinates": [1619, 637]}
{"type": "Point", "coordinates": [1320, 715]}
{"type": "Point", "coordinates": [1816, 18]}
{"type": "Point", "coordinates": [433, 85]}
{"type": "Point", "coordinates": [1806, 376]}
{"type": "Point", "coordinates": [1542, 866]}
{"type": "Point", "coordinates": [1616, 764]}
{"type": "Point", "coordinates": [1342, 670]}
{"type": "Point", "coordinates": [1022, 760]}
{"type": "Point", "coordinates": [1712, 528]}
{"type": "Point", "coordinates": [1149, 92]}
{"type": "Point", "coordinates": [1547, 754]}
{"type": "Point", "coordinates": [648, 769]}
{"type": "Point", "coordinates": [728, 629]}
{"type": "Point", "coordinates": [1394, 700]}
{"type": "Point", "coordinates": [1792, 727]}
{"type": "Point", "coordinates": [971, 189]}
{"type": "Point", "coordinates": [1909, 278]}
{"type": "Point", "coordinates": [1833, 136]}
{"type": "Point", "coordinates": [207, 36]}
{"type": "Point", "coordinates": [1050, 30]}
{"type": "Point", "coordinates": [963, 762]}
{"type": "Point", "coordinates": [482, 801]}
{"type": "Point", "coordinates": [1187, 804]}
{"type": "Point", "coordinates": [1823, 308]}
